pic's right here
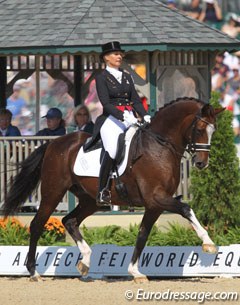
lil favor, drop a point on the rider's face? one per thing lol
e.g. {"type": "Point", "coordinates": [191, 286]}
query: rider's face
{"type": "Point", "coordinates": [114, 59]}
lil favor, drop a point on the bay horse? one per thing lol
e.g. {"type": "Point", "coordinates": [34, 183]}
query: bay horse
{"type": "Point", "coordinates": [151, 179]}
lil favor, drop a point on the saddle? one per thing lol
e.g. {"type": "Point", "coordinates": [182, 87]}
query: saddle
{"type": "Point", "coordinates": [89, 157]}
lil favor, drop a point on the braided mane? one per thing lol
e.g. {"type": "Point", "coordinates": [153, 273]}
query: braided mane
{"type": "Point", "coordinates": [177, 100]}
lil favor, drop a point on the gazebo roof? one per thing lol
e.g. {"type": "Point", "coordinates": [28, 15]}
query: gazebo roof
{"type": "Point", "coordinates": [53, 26]}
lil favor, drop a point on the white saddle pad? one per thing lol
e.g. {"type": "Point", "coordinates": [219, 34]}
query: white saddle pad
{"type": "Point", "coordinates": [88, 163]}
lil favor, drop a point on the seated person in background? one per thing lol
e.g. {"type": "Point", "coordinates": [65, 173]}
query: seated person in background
{"type": "Point", "coordinates": [6, 128]}
{"type": "Point", "coordinates": [232, 26]}
{"type": "Point", "coordinates": [171, 4]}
{"type": "Point", "coordinates": [82, 119]}
{"type": "Point", "coordinates": [193, 9]}
{"type": "Point", "coordinates": [211, 12]}
{"type": "Point", "coordinates": [55, 123]}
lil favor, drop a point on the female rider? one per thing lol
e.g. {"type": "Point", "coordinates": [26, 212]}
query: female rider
{"type": "Point", "coordinates": [120, 102]}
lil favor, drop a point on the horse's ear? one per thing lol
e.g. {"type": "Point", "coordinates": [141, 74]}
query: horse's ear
{"type": "Point", "coordinates": [219, 110]}
{"type": "Point", "coordinates": [207, 110]}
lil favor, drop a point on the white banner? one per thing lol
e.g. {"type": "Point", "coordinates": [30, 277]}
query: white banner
{"type": "Point", "coordinates": [111, 260]}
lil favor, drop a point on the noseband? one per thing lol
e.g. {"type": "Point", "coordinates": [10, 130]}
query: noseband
{"type": "Point", "coordinates": [193, 147]}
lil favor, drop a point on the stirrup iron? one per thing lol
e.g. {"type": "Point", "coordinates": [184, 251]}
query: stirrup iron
{"type": "Point", "coordinates": [104, 198]}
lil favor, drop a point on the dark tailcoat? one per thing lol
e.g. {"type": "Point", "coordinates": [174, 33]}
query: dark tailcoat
{"type": "Point", "coordinates": [115, 97]}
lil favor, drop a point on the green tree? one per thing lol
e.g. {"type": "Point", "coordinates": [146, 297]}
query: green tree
{"type": "Point", "coordinates": [216, 190]}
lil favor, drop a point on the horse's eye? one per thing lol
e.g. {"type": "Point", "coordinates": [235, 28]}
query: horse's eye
{"type": "Point", "coordinates": [199, 132]}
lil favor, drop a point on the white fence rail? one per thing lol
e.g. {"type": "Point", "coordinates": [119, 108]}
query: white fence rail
{"type": "Point", "coordinates": [16, 149]}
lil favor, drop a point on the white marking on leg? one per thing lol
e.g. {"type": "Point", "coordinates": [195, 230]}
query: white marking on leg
{"type": "Point", "coordinates": [85, 251]}
{"type": "Point", "coordinates": [133, 270]}
{"type": "Point", "coordinates": [201, 232]}
{"type": "Point", "coordinates": [35, 277]}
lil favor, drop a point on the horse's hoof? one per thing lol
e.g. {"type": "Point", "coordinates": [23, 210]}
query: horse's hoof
{"type": "Point", "coordinates": [82, 268]}
{"type": "Point", "coordinates": [35, 278]}
{"type": "Point", "coordinates": [209, 248]}
{"type": "Point", "coordinates": [141, 280]}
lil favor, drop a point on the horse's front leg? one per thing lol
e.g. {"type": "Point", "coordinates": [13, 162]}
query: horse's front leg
{"type": "Point", "coordinates": [175, 205]}
{"type": "Point", "coordinates": [149, 218]}
{"type": "Point", "coordinates": [208, 245]}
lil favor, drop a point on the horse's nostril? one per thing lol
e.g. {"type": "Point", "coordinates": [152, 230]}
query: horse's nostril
{"type": "Point", "coordinates": [200, 164]}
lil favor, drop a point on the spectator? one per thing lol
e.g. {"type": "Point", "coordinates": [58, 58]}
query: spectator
{"type": "Point", "coordinates": [15, 103]}
{"type": "Point", "coordinates": [211, 12]}
{"type": "Point", "coordinates": [220, 62]}
{"type": "Point", "coordinates": [6, 128]}
{"type": "Point", "coordinates": [219, 78]}
{"type": "Point", "coordinates": [231, 59]}
{"type": "Point", "coordinates": [193, 9]}
{"type": "Point", "coordinates": [231, 102]}
{"type": "Point", "coordinates": [232, 26]}
{"type": "Point", "coordinates": [234, 81]}
{"type": "Point", "coordinates": [226, 80]}
{"type": "Point", "coordinates": [172, 4]}
{"type": "Point", "coordinates": [82, 119]}
{"type": "Point", "coordinates": [55, 123]}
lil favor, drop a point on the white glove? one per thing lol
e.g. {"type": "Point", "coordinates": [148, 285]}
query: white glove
{"type": "Point", "coordinates": [126, 115]}
{"type": "Point", "coordinates": [129, 119]}
{"type": "Point", "coordinates": [147, 118]}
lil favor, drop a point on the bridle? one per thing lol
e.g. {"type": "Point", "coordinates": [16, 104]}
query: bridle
{"type": "Point", "coordinates": [192, 146]}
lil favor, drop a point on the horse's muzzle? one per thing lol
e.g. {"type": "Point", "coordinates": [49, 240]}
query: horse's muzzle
{"type": "Point", "coordinates": [199, 162]}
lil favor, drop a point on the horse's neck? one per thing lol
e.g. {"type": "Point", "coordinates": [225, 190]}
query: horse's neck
{"type": "Point", "coordinates": [172, 122]}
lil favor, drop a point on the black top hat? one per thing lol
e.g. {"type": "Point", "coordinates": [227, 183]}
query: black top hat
{"type": "Point", "coordinates": [111, 47]}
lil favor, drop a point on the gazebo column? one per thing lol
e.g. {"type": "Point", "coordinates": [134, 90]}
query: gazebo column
{"type": "Point", "coordinates": [152, 84]}
{"type": "Point", "coordinates": [3, 81]}
{"type": "Point", "coordinates": [78, 80]}
{"type": "Point", "coordinates": [38, 89]}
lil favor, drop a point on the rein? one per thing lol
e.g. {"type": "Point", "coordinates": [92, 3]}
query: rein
{"type": "Point", "coordinates": [191, 148]}
{"type": "Point", "coordinates": [158, 138]}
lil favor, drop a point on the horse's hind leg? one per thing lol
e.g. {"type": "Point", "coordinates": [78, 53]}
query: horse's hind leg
{"type": "Point", "coordinates": [47, 206]}
{"type": "Point", "coordinates": [86, 207]}
{"type": "Point", "coordinates": [149, 218]}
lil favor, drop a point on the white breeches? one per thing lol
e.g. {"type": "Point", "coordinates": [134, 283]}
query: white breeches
{"type": "Point", "coordinates": [110, 131]}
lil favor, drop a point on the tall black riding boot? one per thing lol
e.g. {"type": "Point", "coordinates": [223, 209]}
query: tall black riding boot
{"type": "Point", "coordinates": [104, 194]}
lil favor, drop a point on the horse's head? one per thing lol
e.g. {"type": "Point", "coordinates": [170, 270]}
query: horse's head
{"type": "Point", "coordinates": [201, 133]}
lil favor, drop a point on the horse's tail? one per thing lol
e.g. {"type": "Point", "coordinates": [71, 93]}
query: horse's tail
{"type": "Point", "coordinates": [25, 182]}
